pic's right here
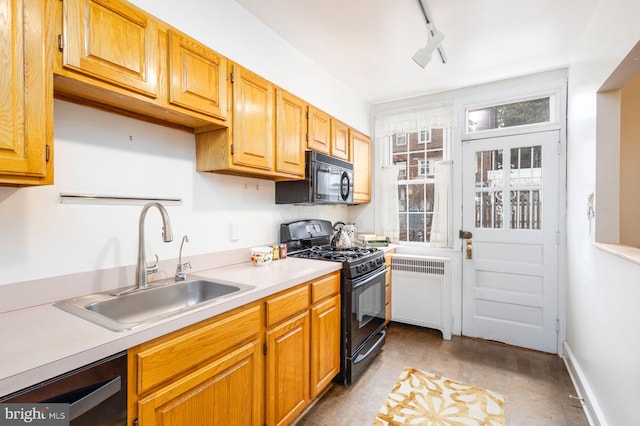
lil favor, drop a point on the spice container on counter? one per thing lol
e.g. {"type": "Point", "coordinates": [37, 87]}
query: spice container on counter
{"type": "Point", "coordinates": [283, 251]}
{"type": "Point", "coordinates": [276, 252]}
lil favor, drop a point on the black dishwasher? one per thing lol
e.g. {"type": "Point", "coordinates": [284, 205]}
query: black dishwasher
{"type": "Point", "coordinates": [96, 393]}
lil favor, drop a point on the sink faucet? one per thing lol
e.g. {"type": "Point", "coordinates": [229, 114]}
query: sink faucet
{"type": "Point", "coordinates": [141, 269]}
{"type": "Point", "coordinates": [181, 275]}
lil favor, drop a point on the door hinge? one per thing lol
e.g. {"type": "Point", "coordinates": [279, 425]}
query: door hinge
{"type": "Point", "coordinates": [307, 114]}
{"type": "Point", "coordinates": [557, 326]}
{"type": "Point", "coordinates": [231, 149]}
{"type": "Point", "coordinates": [307, 137]}
{"type": "Point", "coordinates": [558, 237]}
{"type": "Point", "coordinates": [60, 42]}
{"type": "Point", "coordinates": [232, 78]}
{"type": "Point", "coordinates": [135, 422]}
{"type": "Point", "coordinates": [559, 147]}
{"type": "Point", "coordinates": [264, 348]}
{"type": "Point", "coordinates": [47, 153]}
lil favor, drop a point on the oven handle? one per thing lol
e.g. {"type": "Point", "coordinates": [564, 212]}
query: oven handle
{"type": "Point", "coordinates": [362, 357]}
{"type": "Point", "coordinates": [360, 281]}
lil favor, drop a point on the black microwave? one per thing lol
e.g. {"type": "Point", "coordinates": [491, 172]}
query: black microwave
{"type": "Point", "coordinates": [328, 180]}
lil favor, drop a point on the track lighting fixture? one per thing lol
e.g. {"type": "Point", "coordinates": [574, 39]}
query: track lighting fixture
{"type": "Point", "coordinates": [423, 55]}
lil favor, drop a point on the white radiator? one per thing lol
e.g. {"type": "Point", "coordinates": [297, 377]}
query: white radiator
{"type": "Point", "coordinates": [421, 291]}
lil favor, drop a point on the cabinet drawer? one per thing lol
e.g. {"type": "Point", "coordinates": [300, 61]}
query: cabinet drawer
{"type": "Point", "coordinates": [287, 304]}
{"type": "Point", "coordinates": [325, 287]}
{"type": "Point", "coordinates": [170, 356]}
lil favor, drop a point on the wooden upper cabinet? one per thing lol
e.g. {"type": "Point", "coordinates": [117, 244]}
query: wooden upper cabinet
{"type": "Point", "coordinates": [340, 140]}
{"type": "Point", "coordinates": [112, 41]}
{"type": "Point", "coordinates": [361, 158]}
{"type": "Point", "coordinates": [197, 76]}
{"type": "Point", "coordinates": [253, 133]}
{"type": "Point", "coordinates": [290, 133]}
{"type": "Point", "coordinates": [26, 127]}
{"type": "Point", "coordinates": [319, 131]}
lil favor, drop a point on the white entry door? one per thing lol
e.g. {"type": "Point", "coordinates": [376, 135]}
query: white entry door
{"type": "Point", "coordinates": [510, 262]}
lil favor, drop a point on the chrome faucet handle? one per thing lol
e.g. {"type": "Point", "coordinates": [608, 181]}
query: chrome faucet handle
{"type": "Point", "coordinates": [153, 268]}
{"type": "Point", "coordinates": [181, 275]}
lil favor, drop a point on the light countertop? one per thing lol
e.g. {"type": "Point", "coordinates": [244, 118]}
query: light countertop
{"type": "Point", "coordinates": [41, 342]}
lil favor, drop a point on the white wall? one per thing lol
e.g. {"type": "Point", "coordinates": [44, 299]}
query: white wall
{"type": "Point", "coordinates": [103, 153]}
{"type": "Point", "coordinates": [602, 290]}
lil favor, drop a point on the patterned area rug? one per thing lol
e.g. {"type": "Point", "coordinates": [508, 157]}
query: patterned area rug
{"type": "Point", "coordinates": [420, 398]}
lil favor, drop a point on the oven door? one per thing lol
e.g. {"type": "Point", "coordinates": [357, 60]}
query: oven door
{"type": "Point", "coordinates": [367, 307]}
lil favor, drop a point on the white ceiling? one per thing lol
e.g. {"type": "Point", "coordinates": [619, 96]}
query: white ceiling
{"type": "Point", "coordinates": [368, 44]}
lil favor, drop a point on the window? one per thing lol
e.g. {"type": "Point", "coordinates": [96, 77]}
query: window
{"type": "Point", "coordinates": [401, 139]}
{"type": "Point", "coordinates": [424, 136]}
{"type": "Point", "coordinates": [416, 181]}
{"type": "Point", "coordinates": [526, 112]}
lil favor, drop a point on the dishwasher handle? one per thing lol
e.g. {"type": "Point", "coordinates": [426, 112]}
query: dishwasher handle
{"type": "Point", "coordinates": [95, 397]}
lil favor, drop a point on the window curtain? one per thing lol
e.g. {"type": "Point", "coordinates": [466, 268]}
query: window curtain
{"type": "Point", "coordinates": [389, 208]}
{"type": "Point", "coordinates": [442, 194]}
{"type": "Point", "coordinates": [433, 118]}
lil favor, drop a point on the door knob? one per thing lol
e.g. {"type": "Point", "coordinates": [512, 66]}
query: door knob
{"type": "Point", "coordinates": [468, 248]}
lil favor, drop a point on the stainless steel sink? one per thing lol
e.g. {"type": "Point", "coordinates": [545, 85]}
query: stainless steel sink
{"type": "Point", "coordinates": [120, 311]}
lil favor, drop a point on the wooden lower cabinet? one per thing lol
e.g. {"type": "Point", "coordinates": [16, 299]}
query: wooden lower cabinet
{"type": "Point", "coordinates": [222, 392]}
{"type": "Point", "coordinates": [325, 344]}
{"type": "Point", "coordinates": [210, 373]}
{"type": "Point", "coordinates": [287, 370]}
{"type": "Point", "coordinates": [259, 364]}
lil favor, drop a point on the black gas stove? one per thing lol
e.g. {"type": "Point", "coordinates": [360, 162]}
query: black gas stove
{"type": "Point", "coordinates": [356, 261]}
{"type": "Point", "coordinates": [362, 291]}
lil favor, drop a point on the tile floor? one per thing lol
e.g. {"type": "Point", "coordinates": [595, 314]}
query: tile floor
{"type": "Point", "coordinates": [535, 385]}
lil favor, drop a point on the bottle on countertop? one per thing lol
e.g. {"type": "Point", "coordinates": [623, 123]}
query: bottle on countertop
{"type": "Point", "coordinates": [283, 251]}
{"type": "Point", "coordinates": [276, 251]}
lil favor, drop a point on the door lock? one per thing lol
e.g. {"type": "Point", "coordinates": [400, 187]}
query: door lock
{"type": "Point", "coordinates": [465, 235]}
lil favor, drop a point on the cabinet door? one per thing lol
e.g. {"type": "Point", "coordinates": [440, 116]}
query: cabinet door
{"type": "Point", "coordinates": [24, 132]}
{"type": "Point", "coordinates": [361, 146]}
{"type": "Point", "coordinates": [319, 132]}
{"type": "Point", "coordinates": [227, 391]}
{"type": "Point", "coordinates": [112, 41]}
{"type": "Point", "coordinates": [197, 76]}
{"type": "Point", "coordinates": [290, 133]}
{"type": "Point", "coordinates": [340, 140]}
{"type": "Point", "coordinates": [287, 370]}
{"type": "Point", "coordinates": [252, 120]}
{"type": "Point", "coordinates": [325, 343]}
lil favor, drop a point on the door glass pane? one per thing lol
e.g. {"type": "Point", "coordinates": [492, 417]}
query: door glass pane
{"type": "Point", "coordinates": [489, 209]}
{"type": "Point", "coordinates": [526, 166]}
{"type": "Point", "coordinates": [526, 209]}
{"type": "Point", "coordinates": [525, 179]}
{"type": "Point", "coordinates": [489, 169]}
{"type": "Point", "coordinates": [489, 188]}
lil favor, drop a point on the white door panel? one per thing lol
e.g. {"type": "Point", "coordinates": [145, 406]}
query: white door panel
{"type": "Point", "coordinates": [510, 205]}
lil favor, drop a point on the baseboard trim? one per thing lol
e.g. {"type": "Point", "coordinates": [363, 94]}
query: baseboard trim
{"type": "Point", "coordinates": [589, 403]}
